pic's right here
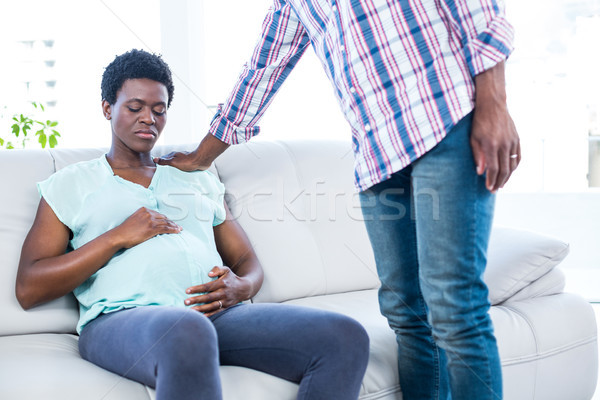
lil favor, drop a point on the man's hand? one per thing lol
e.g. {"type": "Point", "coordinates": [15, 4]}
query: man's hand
{"type": "Point", "coordinates": [183, 160]}
{"type": "Point", "coordinates": [494, 138]}
{"type": "Point", "coordinates": [198, 160]}
{"type": "Point", "coordinates": [226, 291]}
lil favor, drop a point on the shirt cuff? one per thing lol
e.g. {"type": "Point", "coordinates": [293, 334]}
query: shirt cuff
{"type": "Point", "coordinates": [490, 47]}
{"type": "Point", "coordinates": [226, 131]}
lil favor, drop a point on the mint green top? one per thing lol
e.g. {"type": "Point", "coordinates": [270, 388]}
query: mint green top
{"type": "Point", "coordinates": [89, 199]}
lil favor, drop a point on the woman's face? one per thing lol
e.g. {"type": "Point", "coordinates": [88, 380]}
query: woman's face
{"type": "Point", "coordinates": [139, 114]}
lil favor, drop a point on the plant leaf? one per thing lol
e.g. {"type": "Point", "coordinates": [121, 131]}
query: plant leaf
{"type": "Point", "coordinates": [16, 129]}
{"type": "Point", "coordinates": [9, 145]}
{"type": "Point", "coordinates": [43, 139]}
{"type": "Point", "coordinates": [53, 123]}
{"type": "Point", "coordinates": [1, 142]}
{"type": "Point", "coordinates": [56, 133]}
{"type": "Point", "coordinates": [52, 141]}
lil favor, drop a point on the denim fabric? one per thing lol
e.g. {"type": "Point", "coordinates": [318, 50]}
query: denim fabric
{"type": "Point", "coordinates": [429, 226]}
{"type": "Point", "coordinates": [178, 350]}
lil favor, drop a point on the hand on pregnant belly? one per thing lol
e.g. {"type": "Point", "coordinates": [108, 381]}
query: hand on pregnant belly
{"type": "Point", "coordinates": [225, 291]}
{"type": "Point", "coordinates": [142, 225]}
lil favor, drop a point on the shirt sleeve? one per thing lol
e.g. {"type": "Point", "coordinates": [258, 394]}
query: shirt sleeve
{"type": "Point", "coordinates": [61, 193]}
{"type": "Point", "coordinates": [217, 194]}
{"type": "Point", "coordinates": [282, 42]}
{"type": "Point", "coordinates": [485, 34]}
{"type": "Point", "coordinates": [211, 187]}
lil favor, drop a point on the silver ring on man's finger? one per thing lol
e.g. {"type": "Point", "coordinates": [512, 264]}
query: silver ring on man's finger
{"type": "Point", "coordinates": [220, 304]}
{"type": "Point", "coordinates": [514, 155]}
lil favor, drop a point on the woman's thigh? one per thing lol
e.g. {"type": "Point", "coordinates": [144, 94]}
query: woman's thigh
{"type": "Point", "coordinates": [133, 342]}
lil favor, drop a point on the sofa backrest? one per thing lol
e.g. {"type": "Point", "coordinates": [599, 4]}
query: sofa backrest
{"type": "Point", "coordinates": [20, 170]}
{"type": "Point", "coordinates": [295, 200]}
{"type": "Point", "coordinates": [297, 203]}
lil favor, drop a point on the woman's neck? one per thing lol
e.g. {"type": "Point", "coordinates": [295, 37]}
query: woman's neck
{"type": "Point", "coordinates": [130, 159]}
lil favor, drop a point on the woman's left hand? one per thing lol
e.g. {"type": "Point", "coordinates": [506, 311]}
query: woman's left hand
{"type": "Point", "coordinates": [225, 291]}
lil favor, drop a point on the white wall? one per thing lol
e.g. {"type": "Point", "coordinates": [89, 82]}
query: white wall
{"type": "Point", "coordinates": [571, 217]}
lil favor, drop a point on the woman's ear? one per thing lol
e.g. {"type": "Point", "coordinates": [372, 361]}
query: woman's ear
{"type": "Point", "coordinates": [106, 109]}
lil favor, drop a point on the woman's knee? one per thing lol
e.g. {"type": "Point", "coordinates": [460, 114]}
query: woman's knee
{"type": "Point", "coordinates": [182, 334]}
{"type": "Point", "coordinates": [343, 338]}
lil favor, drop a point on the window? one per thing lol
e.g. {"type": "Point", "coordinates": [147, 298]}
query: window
{"type": "Point", "coordinates": [54, 52]}
{"type": "Point", "coordinates": [553, 82]}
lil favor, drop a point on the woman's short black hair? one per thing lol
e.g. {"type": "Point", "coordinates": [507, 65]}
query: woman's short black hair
{"type": "Point", "coordinates": [135, 64]}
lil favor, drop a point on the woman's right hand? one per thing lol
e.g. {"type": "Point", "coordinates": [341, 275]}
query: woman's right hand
{"type": "Point", "coordinates": [142, 225]}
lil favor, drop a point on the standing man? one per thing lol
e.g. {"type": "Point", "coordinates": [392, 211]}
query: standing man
{"type": "Point", "coordinates": [421, 83]}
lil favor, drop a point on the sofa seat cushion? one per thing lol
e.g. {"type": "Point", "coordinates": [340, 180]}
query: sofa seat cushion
{"type": "Point", "coordinates": [536, 338]}
{"type": "Point", "coordinates": [548, 347]}
{"type": "Point", "coordinates": [48, 366]}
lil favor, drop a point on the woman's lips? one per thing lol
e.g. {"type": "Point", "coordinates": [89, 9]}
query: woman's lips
{"type": "Point", "coordinates": [147, 135]}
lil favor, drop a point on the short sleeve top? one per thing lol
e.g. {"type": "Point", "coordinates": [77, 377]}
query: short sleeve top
{"type": "Point", "coordinates": [90, 200]}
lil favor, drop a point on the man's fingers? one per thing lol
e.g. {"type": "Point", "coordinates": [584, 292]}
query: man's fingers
{"type": "Point", "coordinates": [478, 157]}
{"type": "Point", "coordinates": [167, 159]}
{"type": "Point", "coordinates": [491, 169]}
{"type": "Point", "coordinates": [163, 160]}
{"type": "Point", "coordinates": [515, 157]}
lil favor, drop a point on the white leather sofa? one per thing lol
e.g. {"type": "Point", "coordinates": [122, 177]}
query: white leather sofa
{"type": "Point", "coordinates": [297, 204]}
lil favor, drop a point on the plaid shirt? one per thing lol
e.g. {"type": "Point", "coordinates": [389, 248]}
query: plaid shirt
{"type": "Point", "coordinates": [403, 71]}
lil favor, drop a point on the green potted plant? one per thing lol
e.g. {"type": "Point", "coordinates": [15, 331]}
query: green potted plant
{"type": "Point", "coordinates": [25, 123]}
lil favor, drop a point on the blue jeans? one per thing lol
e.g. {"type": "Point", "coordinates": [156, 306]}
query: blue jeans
{"type": "Point", "coordinates": [429, 226]}
{"type": "Point", "coordinates": [178, 351]}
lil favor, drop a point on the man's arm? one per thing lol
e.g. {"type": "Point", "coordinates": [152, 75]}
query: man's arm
{"type": "Point", "coordinates": [494, 138]}
{"type": "Point", "coordinates": [282, 42]}
{"type": "Point", "coordinates": [486, 38]}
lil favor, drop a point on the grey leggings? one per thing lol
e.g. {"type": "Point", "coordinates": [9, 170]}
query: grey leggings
{"type": "Point", "coordinates": [178, 351]}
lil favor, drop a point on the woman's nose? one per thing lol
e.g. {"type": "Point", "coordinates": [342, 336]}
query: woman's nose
{"type": "Point", "coordinates": [147, 117]}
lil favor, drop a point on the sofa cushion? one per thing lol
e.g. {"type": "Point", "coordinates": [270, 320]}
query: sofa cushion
{"type": "Point", "coordinates": [548, 347]}
{"type": "Point", "coordinates": [303, 218]}
{"type": "Point", "coordinates": [534, 345]}
{"type": "Point", "coordinates": [48, 366]}
{"type": "Point", "coordinates": [19, 199]}
{"type": "Point", "coordinates": [516, 258]}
